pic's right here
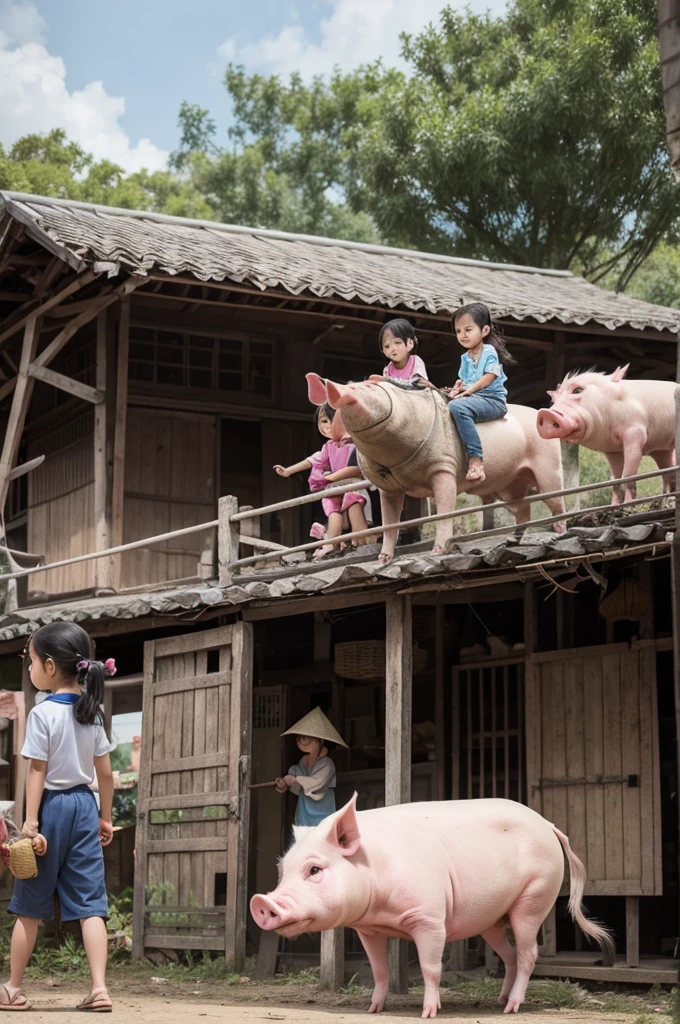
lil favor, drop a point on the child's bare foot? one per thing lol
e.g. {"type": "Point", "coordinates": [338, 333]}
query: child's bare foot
{"type": "Point", "coordinates": [475, 470]}
{"type": "Point", "coordinates": [324, 552]}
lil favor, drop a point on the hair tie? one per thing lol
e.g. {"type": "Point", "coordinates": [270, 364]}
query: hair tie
{"type": "Point", "coordinates": [109, 666]}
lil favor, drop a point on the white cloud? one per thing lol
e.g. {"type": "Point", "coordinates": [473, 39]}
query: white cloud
{"type": "Point", "coordinates": [34, 96]}
{"type": "Point", "coordinates": [355, 32]}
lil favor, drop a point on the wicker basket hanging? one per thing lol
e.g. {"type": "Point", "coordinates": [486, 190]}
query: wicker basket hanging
{"type": "Point", "coordinates": [630, 600]}
{"type": "Point", "coordinates": [365, 659]}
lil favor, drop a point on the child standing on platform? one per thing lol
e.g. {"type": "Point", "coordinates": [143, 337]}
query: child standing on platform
{"type": "Point", "coordinates": [67, 744]}
{"type": "Point", "coordinates": [479, 394]}
{"type": "Point", "coordinates": [334, 464]}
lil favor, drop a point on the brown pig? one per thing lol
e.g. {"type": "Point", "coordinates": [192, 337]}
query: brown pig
{"type": "Point", "coordinates": [407, 444]}
{"type": "Point", "coordinates": [624, 419]}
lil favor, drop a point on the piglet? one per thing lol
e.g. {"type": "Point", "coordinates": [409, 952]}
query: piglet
{"type": "Point", "coordinates": [433, 873]}
{"type": "Point", "coordinates": [625, 419]}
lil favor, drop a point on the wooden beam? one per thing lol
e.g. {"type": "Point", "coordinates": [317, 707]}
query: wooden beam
{"type": "Point", "coordinates": [398, 710]}
{"type": "Point", "coordinates": [73, 387]}
{"type": "Point", "coordinates": [119, 435]}
{"type": "Point", "coordinates": [102, 509]}
{"type": "Point", "coordinates": [65, 335]}
{"type": "Point", "coordinates": [26, 467]}
{"type": "Point", "coordinates": [227, 539]}
{"type": "Point", "coordinates": [441, 671]}
{"type": "Point", "coordinates": [332, 974]}
{"type": "Point", "coordinates": [675, 601]}
{"type": "Point", "coordinates": [7, 388]}
{"type": "Point", "coordinates": [17, 414]}
{"type": "Point", "coordinates": [24, 316]}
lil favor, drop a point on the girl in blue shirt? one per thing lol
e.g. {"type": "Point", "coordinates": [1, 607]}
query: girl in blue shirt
{"type": "Point", "coordinates": [479, 394]}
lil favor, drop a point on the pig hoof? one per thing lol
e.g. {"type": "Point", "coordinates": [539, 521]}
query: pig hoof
{"type": "Point", "coordinates": [437, 550]}
{"type": "Point", "coordinates": [430, 1010]}
{"type": "Point", "coordinates": [377, 1006]}
{"type": "Point", "coordinates": [384, 558]}
{"type": "Point", "coordinates": [512, 1006]}
{"type": "Point", "coordinates": [560, 527]}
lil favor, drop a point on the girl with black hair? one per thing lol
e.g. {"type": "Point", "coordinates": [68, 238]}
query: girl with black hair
{"type": "Point", "coordinates": [479, 394]}
{"type": "Point", "coordinates": [67, 744]}
{"type": "Point", "coordinates": [335, 463]}
{"type": "Point", "coordinates": [398, 342]}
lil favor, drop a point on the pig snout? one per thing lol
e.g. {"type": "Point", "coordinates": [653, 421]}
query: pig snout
{"type": "Point", "coordinates": [552, 423]}
{"type": "Point", "coordinates": [268, 914]}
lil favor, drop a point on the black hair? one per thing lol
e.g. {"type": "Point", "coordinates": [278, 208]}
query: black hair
{"type": "Point", "coordinates": [400, 328]}
{"type": "Point", "coordinates": [68, 645]}
{"type": "Point", "coordinates": [327, 409]}
{"type": "Point", "coordinates": [482, 317]}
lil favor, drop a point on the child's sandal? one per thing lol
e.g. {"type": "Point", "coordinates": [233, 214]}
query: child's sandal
{"type": "Point", "coordinates": [96, 1002]}
{"type": "Point", "coordinates": [16, 1002]}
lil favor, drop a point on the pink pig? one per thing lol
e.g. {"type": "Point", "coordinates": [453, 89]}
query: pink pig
{"type": "Point", "coordinates": [433, 873]}
{"type": "Point", "coordinates": [625, 419]}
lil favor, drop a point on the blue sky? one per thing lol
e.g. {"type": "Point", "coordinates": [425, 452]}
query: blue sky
{"type": "Point", "coordinates": [113, 75]}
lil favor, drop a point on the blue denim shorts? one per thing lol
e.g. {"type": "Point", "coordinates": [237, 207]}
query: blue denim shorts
{"type": "Point", "coordinates": [73, 866]}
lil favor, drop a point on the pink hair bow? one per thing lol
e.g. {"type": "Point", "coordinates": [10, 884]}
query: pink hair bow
{"type": "Point", "coordinates": [110, 667]}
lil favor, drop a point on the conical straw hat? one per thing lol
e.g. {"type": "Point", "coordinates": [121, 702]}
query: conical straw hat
{"type": "Point", "coordinates": [317, 725]}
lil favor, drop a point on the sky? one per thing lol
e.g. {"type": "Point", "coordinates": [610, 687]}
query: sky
{"type": "Point", "coordinates": [113, 75]}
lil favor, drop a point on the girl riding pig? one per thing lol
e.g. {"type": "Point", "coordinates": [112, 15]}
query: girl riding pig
{"type": "Point", "coordinates": [479, 394]}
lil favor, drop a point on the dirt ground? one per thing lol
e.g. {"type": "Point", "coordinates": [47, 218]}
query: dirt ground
{"type": "Point", "coordinates": [162, 1001]}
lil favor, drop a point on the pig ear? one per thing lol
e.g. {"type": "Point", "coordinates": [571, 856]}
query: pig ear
{"type": "Point", "coordinates": [344, 831]}
{"type": "Point", "coordinates": [619, 373]}
{"type": "Point", "coordinates": [316, 389]}
{"type": "Point", "coordinates": [552, 395]}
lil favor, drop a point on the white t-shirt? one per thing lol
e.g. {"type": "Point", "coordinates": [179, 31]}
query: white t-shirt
{"type": "Point", "coordinates": [54, 735]}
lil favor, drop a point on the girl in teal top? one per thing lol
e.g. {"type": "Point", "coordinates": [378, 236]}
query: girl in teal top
{"type": "Point", "coordinates": [313, 778]}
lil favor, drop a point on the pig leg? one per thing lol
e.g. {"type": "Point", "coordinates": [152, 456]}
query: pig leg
{"type": "Point", "coordinates": [665, 460]}
{"type": "Point", "coordinates": [445, 490]}
{"type": "Point", "coordinates": [627, 463]}
{"type": "Point", "coordinates": [376, 950]}
{"type": "Point", "coordinates": [430, 944]}
{"type": "Point", "coordinates": [498, 940]}
{"type": "Point", "coordinates": [391, 504]}
{"type": "Point", "coordinates": [526, 917]}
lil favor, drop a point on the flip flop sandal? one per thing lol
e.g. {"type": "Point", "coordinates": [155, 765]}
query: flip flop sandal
{"type": "Point", "coordinates": [100, 1003]}
{"type": "Point", "coordinates": [8, 1002]}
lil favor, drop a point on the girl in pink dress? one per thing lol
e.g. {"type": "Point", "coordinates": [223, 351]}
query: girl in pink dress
{"type": "Point", "coordinates": [398, 341]}
{"type": "Point", "coordinates": [335, 463]}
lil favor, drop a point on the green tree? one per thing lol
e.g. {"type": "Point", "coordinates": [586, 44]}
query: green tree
{"type": "Point", "coordinates": [51, 165]}
{"type": "Point", "coordinates": [534, 138]}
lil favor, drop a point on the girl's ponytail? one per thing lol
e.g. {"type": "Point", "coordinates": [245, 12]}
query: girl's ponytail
{"type": "Point", "coordinates": [91, 675]}
{"type": "Point", "coordinates": [482, 317]}
{"type": "Point", "coordinates": [70, 648]}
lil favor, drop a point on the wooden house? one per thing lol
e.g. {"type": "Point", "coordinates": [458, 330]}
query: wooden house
{"type": "Point", "coordinates": [151, 375]}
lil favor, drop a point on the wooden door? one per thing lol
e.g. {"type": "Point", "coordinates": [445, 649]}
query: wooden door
{"type": "Point", "coordinates": [593, 760]}
{"type": "Point", "coordinates": [193, 801]}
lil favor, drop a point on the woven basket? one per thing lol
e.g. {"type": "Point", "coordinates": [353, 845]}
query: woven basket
{"type": "Point", "coordinates": [20, 858]}
{"type": "Point", "coordinates": [365, 659]}
{"type": "Point", "coordinates": [629, 601]}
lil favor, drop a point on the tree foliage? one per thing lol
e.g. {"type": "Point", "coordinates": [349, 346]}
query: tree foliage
{"type": "Point", "coordinates": [534, 138]}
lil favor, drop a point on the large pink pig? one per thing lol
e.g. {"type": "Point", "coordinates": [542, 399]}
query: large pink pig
{"type": "Point", "coordinates": [432, 873]}
{"type": "Point", "coordinates": [624, 419]}
{"type": "Point", "coordinates": [407, 444]}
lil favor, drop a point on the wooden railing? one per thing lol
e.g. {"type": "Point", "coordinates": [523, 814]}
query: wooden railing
{"type": "Point", "coordinates": [237, 526]}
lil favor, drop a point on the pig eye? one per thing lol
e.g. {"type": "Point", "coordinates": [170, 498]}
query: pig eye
{"type": "Point", "coordinates": [578, 390]}
{"type": "Point", "coordinates": [315, 871]}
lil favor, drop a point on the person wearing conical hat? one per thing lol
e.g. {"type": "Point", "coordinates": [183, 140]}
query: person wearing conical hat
{"type": "Point", "coordinates": [313, 778]}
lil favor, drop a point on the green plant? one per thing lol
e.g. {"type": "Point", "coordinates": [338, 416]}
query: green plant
{"type": "Point", "coordinates": [68, 958]}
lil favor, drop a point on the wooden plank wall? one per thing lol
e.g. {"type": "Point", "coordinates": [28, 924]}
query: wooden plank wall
{"type": "Point", "coordinates": [596, 774]}
{"type": "Point", "coordinates": [61, 506]}
{"type": "Point", "coordinates": [169, 483]}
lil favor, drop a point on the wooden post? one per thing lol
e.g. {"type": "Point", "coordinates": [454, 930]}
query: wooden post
{"type": "Point", "coordinates": [632, 931]}
{"type": "Point", "coordinates": [398, 706]}
{"type": "Point", "coordinates": [440, 673]}
{"type": "Point", "coordinates": [570, 471]}
{"type": "Point", "coordinates": [227, 538]}
{"type": "Point", "coordinates": [488, 515]}
{"type": "Point", "coordinates": [119, 431]}
{"type": "Point", "coordinates": [675, 597]}
{"type": "Point", "coordinates": [332, 974]}
{"type": "Point", "coordinates": [103, 575]}
{"type": "Point", "coordinates": [21, 399]}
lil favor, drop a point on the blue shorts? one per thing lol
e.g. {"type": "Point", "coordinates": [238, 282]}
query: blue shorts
{"type": "Point", "coordinates": [73, 866]}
